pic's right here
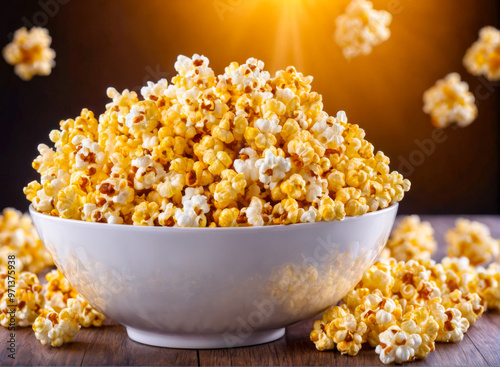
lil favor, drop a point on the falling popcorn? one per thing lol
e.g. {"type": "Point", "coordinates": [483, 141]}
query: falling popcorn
{"type": "Point", "coordinates": [483, 57]}
{"type": "Point", "coordinates": [450, 100]}
{"type": "Point", "coordinates": [30, 53]}
{"type": "Point", "coordinates": [361, 28]}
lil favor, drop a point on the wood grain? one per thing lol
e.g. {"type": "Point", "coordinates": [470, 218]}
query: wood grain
{"type": "Point", "coordinates": [110, 345]}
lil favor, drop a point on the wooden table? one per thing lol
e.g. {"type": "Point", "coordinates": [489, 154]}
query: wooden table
{"type": "Point", "coordinates": [110, 345]}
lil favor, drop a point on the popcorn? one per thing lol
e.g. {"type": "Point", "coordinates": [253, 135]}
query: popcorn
{"type": "Point", "coordinates": [483, 57]}
{"type": "Point", "coordinates": [361, 28]}
{"type": "Point", "coordinates": [257, 150]}
{"type": "Point", "coordinates": [470, 305]}
{"type": "Point", "coordinates": [419, 321]}
{"type": "Point", "coordinates": [397, 345]}
{"type": "Point", "coordinates": [87, 316]}
{"type": "Point", "coordinates": [452, 326]}
{"type": "Point", "coordinates": [30, 53]}
{"type": "Point", "coordinates": [450, 100]}
{"type": "Point", "coordinates": [58, 291]}
{"type": "Point", "coordinates": [412, 239]}
{"type": "Point", "coordinates": [473, 240]}
{"type": "Point", "coordinates": [26, 303]}
{"type": "Point", "coordinates": [18, 237]}
{"type": "Point", "coordinates": [338, 327]}
{"type": "Point", "coordinates": [489, 286]}
{"type": "Point", "coordinates": [56, 328]}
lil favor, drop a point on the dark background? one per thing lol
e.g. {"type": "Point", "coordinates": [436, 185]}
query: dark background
{"type": "Point", "coordinates": [124, 43]}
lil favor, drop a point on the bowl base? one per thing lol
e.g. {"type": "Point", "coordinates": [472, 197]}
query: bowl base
{"type": "Point", "coordinates": [200, 341]}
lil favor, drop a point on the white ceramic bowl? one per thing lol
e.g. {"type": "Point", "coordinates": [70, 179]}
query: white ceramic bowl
{"type": "Point", "coordinates": [213, 287]}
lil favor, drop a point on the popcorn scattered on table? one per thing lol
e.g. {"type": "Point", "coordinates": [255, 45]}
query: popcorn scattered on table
{"type": "Point", "coordinates": [361, 28]}
{"type": "Point", "coordinates": [239, 149]}
{"type": "Point", "coordinates": [60, 294]}
{"type": "Point", "coordinates": [23, 306]}
{"type": "Point", "coordinates": [30, 53]}
{"type": "Point", "coordinates": [483, 57]}
{"type": "Point", "coordinates": [449, 101]}
{"type": "Point", "coordinates": [56, 328]}
{"type": "Point", "coordinates": [472, 240]}
{"type": "Point", "coordinates": [403, 308]}
{"type": "Point", "coordinates": [412, 239]}
{"type": "Point", "coordinates": [18, 237]}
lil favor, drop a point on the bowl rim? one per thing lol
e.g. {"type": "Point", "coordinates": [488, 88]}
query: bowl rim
{"type": "Point", "coordinates": [75, 222]}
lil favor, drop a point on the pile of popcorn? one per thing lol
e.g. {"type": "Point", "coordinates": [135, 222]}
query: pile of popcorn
{"type": "Point", "coordinates": [401, 307]}
{"type": "Point", "coordinates": [18, 238]}
{"type": "Point", "coordinates": [483, 57]}
{"type": "Point", "coordinates": [449, 101]}
{"type": "Point", "coordinates": [55, 311]}
{"type": "Point", "coordinates": [30, 53]}
{"type": "Point", "coordinates": [361, 28]}
{"type": "Point", "coordinates": [239, 149]}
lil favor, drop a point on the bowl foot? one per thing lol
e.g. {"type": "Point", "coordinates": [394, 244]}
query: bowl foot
{"type": "Point", "coordinates": [206, 341]}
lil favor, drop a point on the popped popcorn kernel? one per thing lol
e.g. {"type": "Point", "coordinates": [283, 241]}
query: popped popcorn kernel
{"type": "Point", "coordinates": [397, 345]}
{"type": "Point", "coordinates": [483, 57]}
{"type": "Point", "coordinates": [257, 149]}
{"type": "Point", "coordinates": [472, 240]}
{"type": "Point", "coordinates": [361, 28]}
{"type": "Point", "coordinates": [452, 326]}
{"type": "Point", "coordinates": [489, 286]}
{"type": "Point", "coordinates": [56, 328]}
{"type": "Point", "coordinates": [18, 237]}
{"type": "Point", "coordinates": [30, 53]}
{"type": "Point", "coordinates": [58, 290]}
{"type": "Point", "coordinates": [412, 239]}
{"type": "Point", "coordinates": [449, 101]}
{"type": "Point", "coordinates": [25, 305]}
{"type": "Point", "coordinates": [87, 316]}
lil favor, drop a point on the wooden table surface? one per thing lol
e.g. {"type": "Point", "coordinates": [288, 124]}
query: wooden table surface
{"type": "Point", "coordinates": [110, 345]}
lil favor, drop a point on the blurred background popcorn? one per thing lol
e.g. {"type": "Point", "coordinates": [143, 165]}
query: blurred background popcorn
{"type": "Point", "coordinates": [30, 52]}
{"type": "Point", "coordinates": [483, 57]}
{"type": "Point", "coordinates": [361, 28]}
{"type": "Point", "coordinates": [449, 101]}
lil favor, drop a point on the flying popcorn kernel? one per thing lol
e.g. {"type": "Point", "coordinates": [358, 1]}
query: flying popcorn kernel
{"type": "Point", "coordinates": [30, 53]}
{"type": "Point", "coordinates": [412, 239]}
{"type": "Point", "coordinates": [449, 101]}
{"type": "Point", "coordinates": [472, 240]}
{"type": "Point", "coordinates": [243, 148]}
{"type": "Point", "coordinates": [56, 328]}
{"type": "Point", "coordinates": [18, 238]}
{"type": "Point", "coordinates": [483, 57]}
{"type": "Point", "coordinates": [361, 28]}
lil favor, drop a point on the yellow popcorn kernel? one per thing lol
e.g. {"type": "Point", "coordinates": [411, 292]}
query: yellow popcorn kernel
{"type": "Point", "coordinates": [32, 189]}
{"type": "Point", "coordinates": [376, 196]}
{"type": "Point", "coordinates": [330, 210]}
{"type": "Point", "coordinates": [473, 240]}
{"type": "Point", "coordinates": [30, 53]}
{"type": "Point", "coordinates": [166, 216]}
{"type": "Point", "coordinates": [87, 315]}
{"type": "Point", "coordinates": [356, 207]}
{"type": "Point", "coordinates": [294, 187]}
{"type": "Point", "coordinates": [361, 28]}
{"type": "Point", "coordinates": [319, 338]}
{"type": "Point", "coordinates": [412, 239]}
{"type": "Point", "coordinates": [419, 321]}
{"type": "Point", "coordinates": [483, 57]}
{"type": "Point", "coordinates": [290, 129]}
{"type": "Point", "coordinates": [286, 212]}
{"type": "Point", "coordinates": [69, 202]}
{"type": "Point", "coordinates": [217, 162]}
{"type": "Point", "coordinates": [27, 303]}
{"type": "Point", "coordinates": [228, 190]}
{"type": "Point", "coordinates": [347, 333]}
{"type": "Point", "coordinates": [449, 101]}
{"type": "Point", "coordinates": [172, 184]}
{"type": "Point", "coordinates": [228, 217]}
{"type": "Point", "coordinates": [378, 277]}
{"type": "Point", "coordinates": [18, 237]}
{"type": "Point", "coordinates": [354, 298]}
{"type": "Point", "coordinates": [58, 290]}
{"type": "Point", "coordinates": [56, 328]}
{"type": "Point", "coordinates": [470, 305]}
{"type": "Point", "coordinates": [378, 313]}
{"type": "Point", "coordinates": [452, 326]}
{"type": "Point", "coordinates": [489, 286]}
{"type": "Point", "coordinates": [199, 175]}
{"type": "Point", "coordinates": [145, 214]}
{"type": "Point", "coordinates": [336, 180]}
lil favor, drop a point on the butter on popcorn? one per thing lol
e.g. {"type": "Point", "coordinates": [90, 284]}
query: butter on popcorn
{"type": "Point", "coordinates": [30, 53]}
{"type": "Point", "coordinates": [449, 101]}
{"type": "Point", "coordinates": [18, 237]}
{"type": "Point", "coordinates": [412, 239]}
{"type": "Point", "coordinates": [361, 28]}
{"type": "Point", "coordinates": [483, 57]}
{"type": "Point", "coordinates": [243, 148]}
{"type": "Point", "coordinates": [473, 240]}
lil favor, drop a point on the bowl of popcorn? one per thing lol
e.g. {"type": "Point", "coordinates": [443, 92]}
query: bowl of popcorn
{"type": "Point", "coordinates": [215, 210]}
